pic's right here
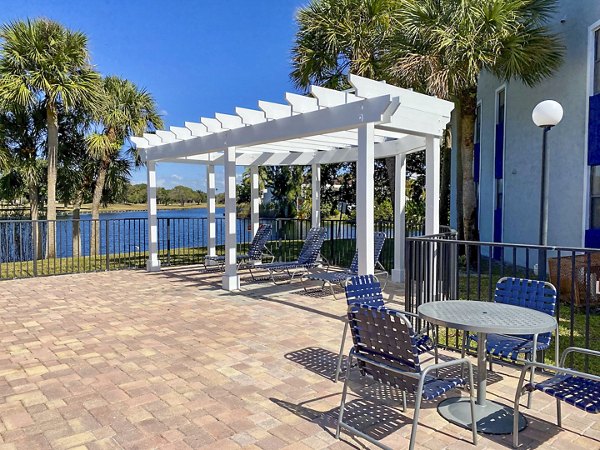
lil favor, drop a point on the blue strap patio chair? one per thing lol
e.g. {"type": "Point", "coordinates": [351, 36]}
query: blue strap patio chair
{"type": "Point", "coordinates": [366, 290]}
{"type": "Point", "coordinates": [308, 258]}
{"type": "Point", "coordinates": [579, 389]}
{"type": "Point", "coordinates": [341, 278]}
{"type": "Point", "coordinates": [534, 294]}
{"type": "Point", "coordinates": [385, 348]}
{"type": "Point", "coordinates": [257, 250]}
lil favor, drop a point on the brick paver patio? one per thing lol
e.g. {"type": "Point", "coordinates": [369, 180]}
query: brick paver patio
{"type": "Point", "coordinates": [135, 360]}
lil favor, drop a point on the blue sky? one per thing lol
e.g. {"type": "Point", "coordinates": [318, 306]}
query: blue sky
{"type": "Point", "coordinates": [197, 57]}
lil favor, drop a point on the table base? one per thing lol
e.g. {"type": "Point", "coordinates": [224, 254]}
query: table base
{"type": "Point", "coordinates": [492, 418]}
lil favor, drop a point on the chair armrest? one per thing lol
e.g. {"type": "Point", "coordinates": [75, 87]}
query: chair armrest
{"type": "Point", "coordinates": [455, 362]}
{"type": "Point", "coordinates": [558, 370]}
{"type": "Point", "coordinates": [584, 351]}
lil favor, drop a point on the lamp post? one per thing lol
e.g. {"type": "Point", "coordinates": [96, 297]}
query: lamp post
{"type": "Point", "coordinates": [545, 115]}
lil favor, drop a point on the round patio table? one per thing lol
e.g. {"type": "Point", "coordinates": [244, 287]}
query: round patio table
{"type": "Point", "coordinates": [483, 318]}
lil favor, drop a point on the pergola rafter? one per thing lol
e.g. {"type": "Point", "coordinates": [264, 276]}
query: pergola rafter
{"type": "Point", "coordinates": [371, 120]}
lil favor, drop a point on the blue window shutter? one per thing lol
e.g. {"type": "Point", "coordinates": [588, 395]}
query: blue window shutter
{"type": "Point", "coordinates": [594, 131]}
{"type": "Point", "coordinates": [592, 238]}
{"type": "Point", "coordinates": [499, 153]}
{"type": "Point", "coordinates": [476, 161]}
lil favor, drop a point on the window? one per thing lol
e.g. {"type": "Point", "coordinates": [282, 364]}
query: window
{"type": "Point", "coordinates": [501, 104]}
{"type": "Point", "coordinates": [596, 68]}
{"type": "Point", "coordinates": [478, 124]}
{"type": "Point", "coordinates": [595, 197]}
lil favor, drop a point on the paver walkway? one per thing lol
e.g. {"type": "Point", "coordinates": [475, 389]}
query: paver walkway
{"type": "Point", "coordinates": [135, 360]}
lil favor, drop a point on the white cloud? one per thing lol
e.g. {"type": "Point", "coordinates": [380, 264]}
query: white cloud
{"type": "Point", "coordinates": [176, 177]}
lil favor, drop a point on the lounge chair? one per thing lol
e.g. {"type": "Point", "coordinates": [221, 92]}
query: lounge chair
{"type": "Point", "coordinates": [341, 278]}
{"type": "Point", "coordinates": [366, 290]}
{"type": "Point", "coordinates": [257, 250]}
{"type": "Point", "coordinates": [534, 294]}
{"type": "Point", "coordinates": [579, 389]}
{"type": "Point", "coordinates": [385, 349]}
{"type": "Point", "coordinates": [308, 258]}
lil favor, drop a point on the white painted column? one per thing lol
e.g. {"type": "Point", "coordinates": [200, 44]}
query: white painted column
{"type": "Point", "coordinates": [254, 199]}
{"type": "Point", "coordinates": [432, 185]}
{"type": "Point", "coordinates": [212, 204]}
{"type": "Point", "coordinates": [231, 281]}
{"type": "Point", "coordinates": [365, 172]}
{"type": "Point", "coordinates": [316, 195]}
{"type": "Point", "coordinates": [153, 263]}
{"type": "Point", "coordinates": [399, 218]}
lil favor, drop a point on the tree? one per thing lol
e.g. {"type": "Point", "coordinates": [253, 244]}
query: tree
{"type": "Point", "coordinates": [41, 60]}
{"type": "Point", "coordinates": [441, 46]}
{"type": "Point", "coordinates": [285, 183]}
{"type": "Point", "coordinates": [22, 140]}
{"type": "Point", "coordinates": [125, 110]}
{"type": "Point", "coordinates": [182, 195]}
{"type": "Point", "coordinates": [336, 37]}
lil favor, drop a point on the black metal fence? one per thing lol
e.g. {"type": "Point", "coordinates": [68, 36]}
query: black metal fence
{"type": "Point", "coordinates": [442, 268]}
{"type": "Point", "coordinates": [113, 244]}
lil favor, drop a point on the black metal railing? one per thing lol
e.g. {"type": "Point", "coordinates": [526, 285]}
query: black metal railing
{"type": "Point", "coordinates": [86, 245]}
{"type": "Point", "coordinates": [442, 268]}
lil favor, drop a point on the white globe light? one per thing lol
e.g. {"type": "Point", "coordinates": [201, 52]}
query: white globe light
{"type": "Point", "coordinates": [547, 113]}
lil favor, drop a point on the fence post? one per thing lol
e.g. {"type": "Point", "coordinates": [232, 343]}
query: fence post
{"type": "Point", "coordinates": [169, 241]}
{"type": "Point", "coordinates": [332, 239]}
{"type": "Point", "coordinates": [34, 233]}
{"type": "Point", "coordinates": [107, 247]}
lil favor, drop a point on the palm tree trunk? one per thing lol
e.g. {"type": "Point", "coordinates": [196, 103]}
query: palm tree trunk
{"type": "Point", "coordinates": [446, 153]}
{"type": "Point", "coordinates": [468, 105]}
{"type": "Point", "coordinates": [390, 165]}
{"type": "Point", "coordinates": [52, 123]}
{"type": "Point", "coordinates": [76, 234]}
{"type": "Point", "coordinates": [96, 200]}
{"type": "Point", "coordinates": [34, 209]}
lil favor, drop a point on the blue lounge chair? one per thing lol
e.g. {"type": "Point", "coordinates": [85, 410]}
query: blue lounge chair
{"type": "Point", "coordinates": [385, 348]}
{"type": "Point", "coordinates": [308, 258]}
{"type": "Point", "coordinates": [257, 250]}
{"type": "Point", "coordinates": [579, 389]}
{"type": "Point", "coordinates": [534, 294]}
{"type": "Point", "coordinates": [342, 278]}
{"type": "Point", "coordinates": [366, 290]}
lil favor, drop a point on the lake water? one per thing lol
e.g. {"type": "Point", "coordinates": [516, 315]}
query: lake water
{"type": "Point", "coordinates": [126, 232]}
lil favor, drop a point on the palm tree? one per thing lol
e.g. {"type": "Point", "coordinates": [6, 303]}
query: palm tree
{"type": "Point", "coordinates": [126, 110]}
{"type": "Point", "coordinates": [441, 46]}
{"type": "Point", "coordinates": [22, 140]}
{"type": "Point", "coordinates": [336, 37]}
{"type": "Point", "coordinates": [42, 60]}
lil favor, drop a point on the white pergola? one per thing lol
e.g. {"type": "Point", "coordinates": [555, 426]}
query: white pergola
{"type": "Point", "coordinates": [370, 121]}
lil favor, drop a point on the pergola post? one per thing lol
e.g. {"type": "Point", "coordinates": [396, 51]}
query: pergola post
{"type": "Point", "coordinates": [254, 199]}
{"type": "Point", "coordinates": [231, 281]}
{"type": "Point", "coordinates": [153, 263]}
{"type": "Point", "coordinates": [399, 218]}
{"type": "Point", "coordinates": [212, 204]}
{"type": "Point", "coordinates": [432, 185]}
{"type": "Point", "coordinates": [365, 171]}
{"type": "Point", "coordinates": [316, 195]}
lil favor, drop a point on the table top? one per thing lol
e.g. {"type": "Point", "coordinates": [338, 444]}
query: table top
{"type": "Point", "coordinates": [487, 317]}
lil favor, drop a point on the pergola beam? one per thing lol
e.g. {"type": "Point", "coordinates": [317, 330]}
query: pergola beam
{"type": "Point", "coordinates": [323, 121]}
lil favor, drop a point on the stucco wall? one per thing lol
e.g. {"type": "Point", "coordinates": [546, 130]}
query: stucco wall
{"type": "Point", "coordinates": [566, 143]}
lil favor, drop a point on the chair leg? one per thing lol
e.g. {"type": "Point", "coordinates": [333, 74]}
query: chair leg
{"type": "Point", "coordinates": [341, 355]}
{"type": "Point", "coordinates": [463, 352]}
{"type": "Point", "coordinates": [343, 402]}
{"type": "Point", "coordinates": [472, 400]}
{"type": "Point", "coordinates": [418, 398]}
{"type": "Point", "coordinates": [491, 363]}
{"type": "Point", "coordinates": [558, 413]}
{"type": "Point", "coordinates": [533, 358]}
{"type": "Point", "coordinates": [404, 401]}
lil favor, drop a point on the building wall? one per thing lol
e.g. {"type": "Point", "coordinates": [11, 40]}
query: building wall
{"type": "Point", "coordinates": [569, 192]}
